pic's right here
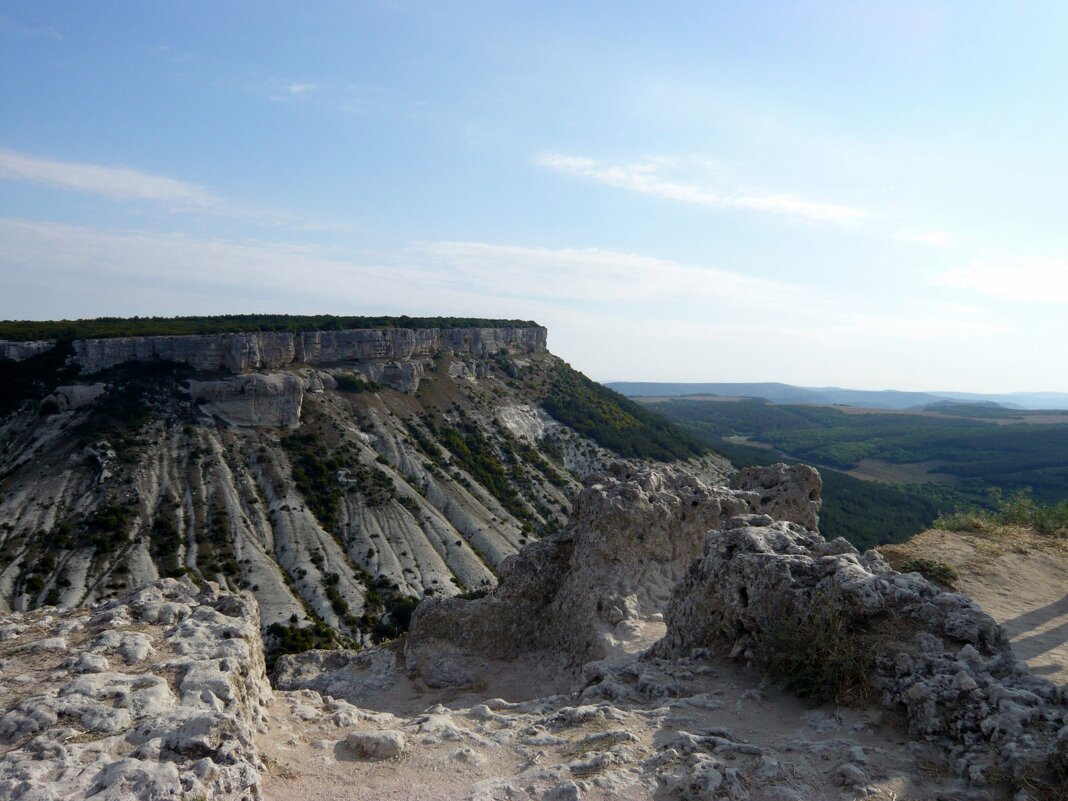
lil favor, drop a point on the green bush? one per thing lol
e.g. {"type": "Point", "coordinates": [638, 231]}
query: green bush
{"type": "Point", "coordinates": [354, 384]}
{"type": "Point", "coordinates": [614, 421]}
{"type": "Point", "coordinates": [932, 570]}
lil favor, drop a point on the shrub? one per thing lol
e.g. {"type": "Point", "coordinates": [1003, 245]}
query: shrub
{"type": "Point", "coordinates": [354, 384]}
{"type": "Point", "coordinates": [932, 570]}
{"type": "Point", "coordinates": [828, 656]}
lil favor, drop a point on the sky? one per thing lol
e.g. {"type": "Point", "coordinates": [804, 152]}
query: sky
{"type": "Point", "coordinates": [861, 194]}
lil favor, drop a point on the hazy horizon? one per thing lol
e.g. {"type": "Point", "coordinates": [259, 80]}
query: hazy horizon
{"type": "Point", "coordinates": [813, 193]}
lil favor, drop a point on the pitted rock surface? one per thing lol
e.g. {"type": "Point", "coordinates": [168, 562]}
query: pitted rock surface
{"type": "Point", "coordinates": [155, 696]}
{"type": "Point", "coordinates": [628, 542]}
{"type": "Point", "coordinates": [787, 492]}
{"type": "Point", "coordinates": [942, 660]}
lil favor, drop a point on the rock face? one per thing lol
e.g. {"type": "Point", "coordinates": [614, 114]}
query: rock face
{"type": "Point", "coordinates": [763, 586]}
{"type": "Point", "coordinates": [17, 351]}
{"type": "Point", "coordinates": [75, 396]}
{"type": "Point", "coordinates": [156, 696]}
{"type": "Point", "coordinates": [253, 399]}
{"type": "Point", "coordinates": [583, 592]}
{"type": "Point", "coordinates": [787, 492]}
{"type": "Point", "coordinates": [271, 350]}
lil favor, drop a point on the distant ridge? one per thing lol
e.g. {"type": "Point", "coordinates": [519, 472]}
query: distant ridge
{"type": "Point", "coordinates": [872, 399]}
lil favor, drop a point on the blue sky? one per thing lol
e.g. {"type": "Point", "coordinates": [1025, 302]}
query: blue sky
{"type": "Point", "coordinates": [861, 194]}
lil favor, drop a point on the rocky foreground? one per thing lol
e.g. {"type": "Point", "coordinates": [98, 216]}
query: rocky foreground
{"type": "Point", "coordinates": [157, 696]}
{"type": "Point", "coordinates": [639, 654]}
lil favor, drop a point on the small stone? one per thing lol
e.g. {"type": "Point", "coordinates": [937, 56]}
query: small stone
{"type": "Point", "coordinates": [568, 791]}
{"type": "Point", "coordinates": [383, 744]}
{"type": "Point", "coordinates": [849, 775]}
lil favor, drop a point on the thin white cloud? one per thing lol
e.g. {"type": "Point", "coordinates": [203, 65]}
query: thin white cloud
{"type": "Point", "coordinates": [648, 177]}
{"type": "Point", "coordinates": [629, 283]}
{"type": "Point", "coordinates": [168, 53]}
{"type": "Point", "coordinates": [625, 313]}
{"type": "Point", "coordinates": [1029, 282]}
{"type": "Point", "coordinates": [10, 27]}
{"type": "Point", "coordinates": [120, 183]}
{"type": "Point", "coordinates": [281, 91]}
{"type": "Point", "coordinates": [595, 276]}
{"type": "Point", "coordinates": [126, 184]}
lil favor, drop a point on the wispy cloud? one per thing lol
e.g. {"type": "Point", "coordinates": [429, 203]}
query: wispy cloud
{"type": "Point", "coordinates": [1030, 282]}
{"type": "Point", "coordinates": [622, 314]}
{"type": "Point", "coordinates": [10, 27]}
{"type": "Point", "coordinates": [280, 91]}
{"type": "Point", "coordinates": [650, 177]}
{"type": "Point", "coordinates": [168, 53]}
{"type": "Point", "coordinates": [120, 183]}
{"type": "Point", "coordinates": [126, 184]}
{"type": "Point", "coordinates": [594, 275]}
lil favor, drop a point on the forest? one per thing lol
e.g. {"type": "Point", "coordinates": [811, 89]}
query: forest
{"type": "Point", "coordinates": [977, 453]}
{"type": "Point", "coordinates": [982, 458]}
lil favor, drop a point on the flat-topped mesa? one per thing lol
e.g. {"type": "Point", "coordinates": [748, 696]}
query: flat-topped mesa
{"type": "Point", "coordinates": [260, 350]}
{"type": "Point", "coordinates": [267, 349]}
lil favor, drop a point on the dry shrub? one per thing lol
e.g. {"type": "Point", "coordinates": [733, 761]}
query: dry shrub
{"type": "Point", "coordinates": [829, 656]}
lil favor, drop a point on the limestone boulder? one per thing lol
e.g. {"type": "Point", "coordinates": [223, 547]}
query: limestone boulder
{"type": "Point", "coordinates": [584, 592]}
{"type": "Point", "coordinates": [816, 611]}
{"type": "Point", "coordinates": [787, 492]}
{"type": "Point", "coordinates": [255, 399]}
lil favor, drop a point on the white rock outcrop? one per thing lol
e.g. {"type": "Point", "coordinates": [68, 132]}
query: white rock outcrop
{"type": "Point", "coordinates": [75, 396]}
{"type": "Point", "coordinates": [156, 696]}
{"type": "Point", "coordinates": [780, 594]}
{"type": "Point", "coordinates": [265, 350]}
{"type": "Point", "coordinates": [253, 399]}
{"type": "Point", "coordinates": [787, 492]}
{"type": "Point", "coordinates": [17, 351]}
{"type": "Point", "coordinates": [584, 591]}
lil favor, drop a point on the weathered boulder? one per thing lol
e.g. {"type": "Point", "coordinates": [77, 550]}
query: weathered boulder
{"type": "Point", "coordinates": [819, 612]}
{"type": "Point", "coordinates": [254, 399]}
{"type": "Point", "coordinates": [75, 396]}
{"type": "Point", "coordinates": [584, 591]}
{"type": "Point", "coordinates": [787, 492]}
{"type": "Point", "coordinates": [358, 676]}
{"type": "Point", "coordinates": [162, 702]}
{"type": "Point", "coordinates": [382, 744]}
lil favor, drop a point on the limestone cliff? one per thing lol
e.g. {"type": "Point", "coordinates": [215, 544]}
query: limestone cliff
{"type": "Point", "coordinates": [269, 350]}
{"type": "Point", "coordinates": [402, 464]}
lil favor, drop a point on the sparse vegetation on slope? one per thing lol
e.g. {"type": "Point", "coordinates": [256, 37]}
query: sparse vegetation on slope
{"type": "Point", "coordinates": [613, 421]}
{"type": "Point", "coordinates": [1018, 509]}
